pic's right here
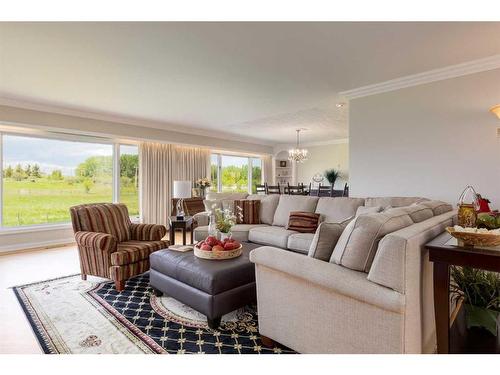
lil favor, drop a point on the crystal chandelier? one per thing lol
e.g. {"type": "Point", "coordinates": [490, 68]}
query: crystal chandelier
{"type": "Point", "coordinates": [297, 154]}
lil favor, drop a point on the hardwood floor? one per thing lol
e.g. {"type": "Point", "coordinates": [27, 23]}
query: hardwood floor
{"type": "Point", "coordinates": [16, 336]}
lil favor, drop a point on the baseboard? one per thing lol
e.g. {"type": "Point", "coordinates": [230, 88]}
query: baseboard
{"type": "Point", "coordinates": [30, 246]}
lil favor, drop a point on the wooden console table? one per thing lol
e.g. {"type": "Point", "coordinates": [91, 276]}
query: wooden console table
{"type": "Point", "coordinates": [444, 253]}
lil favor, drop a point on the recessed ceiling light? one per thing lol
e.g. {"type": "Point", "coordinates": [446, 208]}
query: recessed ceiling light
{"type": "Point", "coordinates": [339, 105]}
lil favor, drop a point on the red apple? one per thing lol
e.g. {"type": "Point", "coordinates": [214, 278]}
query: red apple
{"type": "Point", "coordinates": [231, 246]}
{"type": "Point", "coordinates": [206, 247]}
{"type": "Point", "coordinates": [211, 240]}
{"type": "Point", "coordinates": [218, 248]}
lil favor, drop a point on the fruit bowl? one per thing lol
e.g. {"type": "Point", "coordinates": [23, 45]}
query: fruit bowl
{"type": "Point", "coordinates": [475, 238]}
{"type": "Point", "coordinates": [213, 249]}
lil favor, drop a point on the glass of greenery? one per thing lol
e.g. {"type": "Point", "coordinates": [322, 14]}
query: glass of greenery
{"type": "Point", "coordinates": [224, 220]}
{"type": "Point", "coordinates": [480, 291]}
{"type": "Point", "coordinates": [332, 175]}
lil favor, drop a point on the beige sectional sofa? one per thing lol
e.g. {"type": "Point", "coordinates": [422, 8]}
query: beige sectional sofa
{"type": "Point", "coordinates": [374, 295]}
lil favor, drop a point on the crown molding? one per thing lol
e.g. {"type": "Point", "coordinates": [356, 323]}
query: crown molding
{"type": "Point", "coordinates": [452, 71]}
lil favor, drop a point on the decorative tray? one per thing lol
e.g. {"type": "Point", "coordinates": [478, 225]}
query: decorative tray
{"type": "Point", "coordinates": [218, 255]}
{"type": "Point", "coordinates": [475, 238]}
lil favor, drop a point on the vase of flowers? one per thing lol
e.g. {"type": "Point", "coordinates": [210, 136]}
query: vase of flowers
{"type": "Point", "coordinates": [203, 184]}
{"type": "Point", "coordinates": [224, 221]}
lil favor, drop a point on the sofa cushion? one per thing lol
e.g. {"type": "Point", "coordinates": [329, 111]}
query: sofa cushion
{"type": "Point", "coordinates": [289, 203]}
{"type": "Point", "coordinates": [303, 222]}
{"type": "Point", "coordinates": [268, 204]}
{"type": "Point", "coordinates": [300, 242]}
{"type": "Point", "coordinates": [211, 195]}
{"type": "Point", "coordinates": [239, 231]}
{"type": "Point", "coordinates": [270, 235]}
{"type": "Point", "coordinates": [358, 243]}
{"type": "Point", "coordinates": [438, 207]}
{"type": "Point", "coordinates": [365, 210]}
{"type": "Point", "coordinates": [336, 210]}
{"type": "Point", "coordinates": [392, 201]}
{"type": "Point", "coordinates": [212, 204]}
{"type": "Point", "coordinates": [324, 240]}
{"type": "Point", "coordinates": [418, 212]}
{"type": "Point", "coordinates": [247, 211]}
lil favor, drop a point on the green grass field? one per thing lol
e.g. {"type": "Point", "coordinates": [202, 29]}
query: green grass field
{"type": "Point", "coordinates": [45, 201]}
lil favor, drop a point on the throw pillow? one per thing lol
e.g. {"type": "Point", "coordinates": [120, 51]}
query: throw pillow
{"type": "Point", "coordinates": [358, 243]}
{"type": "Point", "coordinates": [247, 211]}
{"type": "Point", "coordinates": [325, 239]}
{"type": "Point", "coordinates": [303, 222]}
{"type": "Point", "coordinates": [438, 207]}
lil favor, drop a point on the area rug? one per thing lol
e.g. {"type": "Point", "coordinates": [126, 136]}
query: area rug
{"type": "Point", "coordinates": [69, 315]}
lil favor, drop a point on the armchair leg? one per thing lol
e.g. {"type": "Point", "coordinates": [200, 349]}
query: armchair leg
{"type": "Point", "coordinates": [84, 277]}
{"type": "Point", "coordinates": [120, 285]}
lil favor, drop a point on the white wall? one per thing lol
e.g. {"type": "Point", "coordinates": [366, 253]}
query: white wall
{"type": "Point", "coordinates": [325, 157]}
{"type": "Point", "coordinates": [429, 140]}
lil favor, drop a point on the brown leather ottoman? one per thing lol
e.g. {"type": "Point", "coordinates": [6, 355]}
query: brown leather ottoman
{"type": "Point", "coordinates": [212, 287]}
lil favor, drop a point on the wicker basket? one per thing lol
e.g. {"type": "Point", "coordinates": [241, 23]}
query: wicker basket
{"type": "Point", "coordinates": [475, 239]}
{"type": "Point", "coordinates": [218, 255]}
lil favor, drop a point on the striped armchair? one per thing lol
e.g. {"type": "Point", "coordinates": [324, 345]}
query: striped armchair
{"type": "Point", "coordinates": [110, 245]}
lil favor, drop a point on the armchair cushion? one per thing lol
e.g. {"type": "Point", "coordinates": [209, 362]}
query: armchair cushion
{"type": "Point", "coordinates": [96, 241]}
{"type": "Point", "coordinates": [147, 232]}
{"type": "Point", "coordinates": [104, 218]}
{"type": "Point", "coordinates": [135, 251]}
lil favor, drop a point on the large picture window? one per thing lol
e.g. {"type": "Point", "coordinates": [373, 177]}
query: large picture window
{"type": "Point", "coordinates": [235, 173]}
{"type": "Point", "coordinates": [43, 177]}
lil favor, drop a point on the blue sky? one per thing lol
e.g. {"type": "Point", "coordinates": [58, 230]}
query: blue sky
{"type": "Point", "coordinates": [51, 154]}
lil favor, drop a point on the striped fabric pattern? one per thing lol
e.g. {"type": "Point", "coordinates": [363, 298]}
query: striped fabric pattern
{"type": "Point", "coordinates": [147, 232]}
{"type": "Point", "coordinates": [110, 245]}
{"type": "Point", "coordinates": [119, 273]}
{"type": "Point", "coordinates": [104, 218]}
{"type": "Point", "coordinates": [94, 250]}
{"type": "Point", "coordinates": [303, 222]}
{"type": "Point", "coordinates": [134, 251]}
{"type": "Point", "coordinates": [247, 211]}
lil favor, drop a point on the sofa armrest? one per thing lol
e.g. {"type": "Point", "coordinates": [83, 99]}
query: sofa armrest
{"type": "Point", "coordinates": [201, 218]}
{"type": "Point", "coordinates": [338, 279]}
{"type": "Point", "coordinates": [147, 232]}
{"type": "Point", "coordinates": [96, 241]}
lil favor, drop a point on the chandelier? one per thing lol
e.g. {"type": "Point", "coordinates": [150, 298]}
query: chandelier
{"type": "Point", "coordinates": [297, 154]}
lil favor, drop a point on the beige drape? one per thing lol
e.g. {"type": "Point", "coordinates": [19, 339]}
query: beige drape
{"type": "Point", "coordinates": [267, 168]}
{"type": "Point", "coordinates": [160, 165]}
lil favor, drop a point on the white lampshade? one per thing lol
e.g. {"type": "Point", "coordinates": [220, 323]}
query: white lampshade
{"type": "Point", "coordinates": [182, 189]}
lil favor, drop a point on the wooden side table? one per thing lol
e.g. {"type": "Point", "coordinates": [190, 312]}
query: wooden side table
{"type": "Point", "coordinates": [444, 252]}
{"type": "Point", "coordinates": [184, 224]}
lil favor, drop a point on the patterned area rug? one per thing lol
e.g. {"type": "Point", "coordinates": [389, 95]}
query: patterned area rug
{"type": "Point", "coordinates": [69, 315]}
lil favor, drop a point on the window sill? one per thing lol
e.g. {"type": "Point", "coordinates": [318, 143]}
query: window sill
{"type": "Point", "coordinates": [34, 228]}
{"type": "Point", "coordinates": [45, 227]}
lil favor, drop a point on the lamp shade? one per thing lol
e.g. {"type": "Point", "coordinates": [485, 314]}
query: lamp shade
{"type": "Point", "coordinates": [496, 110]}
{"type": "Point", "coordinates": [182, 189]}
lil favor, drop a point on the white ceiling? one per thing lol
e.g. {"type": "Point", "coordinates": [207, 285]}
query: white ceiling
{"type": "Point", "coordinates": [260, 80]}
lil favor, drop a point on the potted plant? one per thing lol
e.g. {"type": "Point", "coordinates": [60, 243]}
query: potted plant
{"type": "Point", "coordinates": [332, 175]}
{"type": "Point", "coordinates": [224, 221]}
{"type": "Point", "coordinates": [480, 291]}
{"type": "Point", "coordinates": [203, 184]}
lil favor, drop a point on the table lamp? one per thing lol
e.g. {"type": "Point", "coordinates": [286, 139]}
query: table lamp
{"type": "Point", "coordinates": [182, 190]}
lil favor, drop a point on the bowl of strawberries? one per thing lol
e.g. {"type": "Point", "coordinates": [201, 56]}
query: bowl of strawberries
{"type": "Point", "coordinates": [214, 249]}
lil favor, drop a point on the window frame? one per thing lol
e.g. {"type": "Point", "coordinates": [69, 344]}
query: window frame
{"type": "Point", "coordinates": [249, 164]}
{"type": "Point", "coordinates": [68, 137]}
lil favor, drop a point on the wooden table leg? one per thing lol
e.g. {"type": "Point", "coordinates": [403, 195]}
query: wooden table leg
{"type": "Point", "coordinates": [184, 229]}
{"type": "Point", "coordinates": [442, 306]}
{"type": "Point", "coordinates": [172, 234]}
{"type": "Point", "coordinates": [192, 233]}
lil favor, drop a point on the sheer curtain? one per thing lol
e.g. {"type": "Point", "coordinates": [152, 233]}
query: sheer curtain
{"type": "Point", "coordinates": [160, 165]}
{"type": "Point", "coordinates": [267, 168]}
